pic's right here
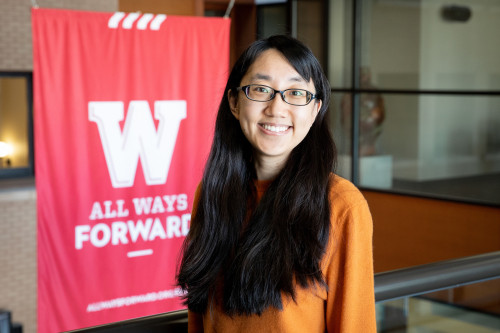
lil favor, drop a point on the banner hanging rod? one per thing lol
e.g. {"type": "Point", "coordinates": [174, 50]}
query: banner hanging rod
{"type": "Point", "coordinates": [34, 4]}
{"type": "Point", "coordinates": [229, 8]}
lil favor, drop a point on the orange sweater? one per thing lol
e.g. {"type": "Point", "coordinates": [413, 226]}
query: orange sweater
{"type": "Point", "coordinates": [349, 304]}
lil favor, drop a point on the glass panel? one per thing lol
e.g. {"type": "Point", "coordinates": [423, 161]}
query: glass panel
{"type": "Point", "coordinates": [342, 133]}
{"type": "Point", "coordinates": [431, 44]}
{"type": "Point", "coordinates": [445, 146]}
{"type": "Point", "coordinates": [14, 136]}
{"type": "Point", "coordinates": [310, 26]}
{"type": "Point", "coordinates": [272, 20]}
{"type": "Point", "coordinates": [340, 43]}
{"type": "Point", "coordinates": [472, 308]}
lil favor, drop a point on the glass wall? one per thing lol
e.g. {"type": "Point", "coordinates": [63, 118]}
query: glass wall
{"type": "Point", "coordinates": [272, 19]}
{"type": "Point", "coordinates": [417, 96]}
{"type": "Point", "coordinates": [15, 125]}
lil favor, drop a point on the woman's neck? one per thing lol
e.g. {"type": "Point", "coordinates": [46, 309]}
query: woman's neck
{"type": "Point", "coordinates": [267, 168]}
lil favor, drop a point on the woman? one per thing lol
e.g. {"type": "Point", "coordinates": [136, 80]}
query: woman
{"type": "Point", "coordinates": [278, 243]}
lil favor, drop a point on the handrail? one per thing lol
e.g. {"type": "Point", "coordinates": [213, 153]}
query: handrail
{"type": "Point", "coordinates": [173, 321]}
{"type": "Point", "coordinates": [388, 285]}
{"type": "Point", "coordinates": [436, 276]}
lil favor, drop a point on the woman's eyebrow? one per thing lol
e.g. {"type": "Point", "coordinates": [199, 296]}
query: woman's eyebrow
{"type": "Point", "coordinates": [297, 79]}
{"type": "Point", "coordinates": [266, 77]}
{"type": "Point", "coordinates": [259, 76]}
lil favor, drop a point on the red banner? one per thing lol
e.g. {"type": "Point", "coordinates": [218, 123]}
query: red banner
{"type": "Point", "coordinates": [124, 112]}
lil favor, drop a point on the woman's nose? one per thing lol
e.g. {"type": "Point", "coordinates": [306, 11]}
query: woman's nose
{"type": "Point", "coordinates": [276, 107]}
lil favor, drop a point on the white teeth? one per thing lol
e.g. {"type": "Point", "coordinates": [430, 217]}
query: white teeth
{"type": "Point", "coordinates": [276, 129]}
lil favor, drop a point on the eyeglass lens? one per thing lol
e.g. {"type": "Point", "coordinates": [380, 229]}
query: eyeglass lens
{"type": "Point", "coordinates": [262, 93]}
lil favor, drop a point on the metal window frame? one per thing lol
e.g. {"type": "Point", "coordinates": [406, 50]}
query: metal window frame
{"type": "Point", "coordinates": [356, 91]}
{"type": "Point", "coordinates": [30, 169]}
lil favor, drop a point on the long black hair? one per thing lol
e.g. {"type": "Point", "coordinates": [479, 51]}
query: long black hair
{"type": "Point", "coordinates": [249, 261]}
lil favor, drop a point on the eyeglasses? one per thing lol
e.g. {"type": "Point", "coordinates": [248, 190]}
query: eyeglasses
{"type": "Point", "coordinates": [261, 93]}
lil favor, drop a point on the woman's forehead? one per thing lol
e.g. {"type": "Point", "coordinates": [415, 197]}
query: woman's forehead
{"type": "Point", "coordinates": [271, 65]}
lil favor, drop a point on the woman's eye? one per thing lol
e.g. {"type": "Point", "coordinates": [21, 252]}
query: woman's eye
{"type": "Point", "coordinates": [297, 93]}
{"type": "Point", "coordinates": [261, 90]}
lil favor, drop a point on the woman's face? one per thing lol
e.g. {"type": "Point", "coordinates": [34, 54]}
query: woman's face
{"type": "Point", "coordinates": [274, 128]}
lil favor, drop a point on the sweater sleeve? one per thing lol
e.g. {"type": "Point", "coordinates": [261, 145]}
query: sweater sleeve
{"type": "Point", "coordinates": [350, 304]}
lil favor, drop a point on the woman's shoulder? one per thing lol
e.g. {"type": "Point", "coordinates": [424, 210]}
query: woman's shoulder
{"type": "Point", "coordinates": [342, 188]}
{"type": "Point", "coordinates": [344, 194]}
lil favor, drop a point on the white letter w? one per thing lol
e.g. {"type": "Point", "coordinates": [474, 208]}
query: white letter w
{"type": "Point", "coordinates": [139, 138]}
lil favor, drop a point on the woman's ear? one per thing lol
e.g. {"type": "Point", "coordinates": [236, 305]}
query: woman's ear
{"type": "Point", "coordinates": [233, 104]}
{"type": "Point", "coordinates": [316, 108]}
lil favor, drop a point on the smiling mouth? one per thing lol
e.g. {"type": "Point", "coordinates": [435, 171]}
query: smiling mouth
{"type": "Point", "coordinates": [275, 129]}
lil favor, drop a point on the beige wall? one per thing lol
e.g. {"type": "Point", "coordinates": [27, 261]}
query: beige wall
{"type": "Point", "coordinates": [15, 27]}
{"type": "Point", "coordinates": [18, 255]}
{"type": "Point", "coordinates": [18, 262]}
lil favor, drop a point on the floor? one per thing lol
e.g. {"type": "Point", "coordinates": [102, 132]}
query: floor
{"type": "Point", "coordinates": [483, 189]}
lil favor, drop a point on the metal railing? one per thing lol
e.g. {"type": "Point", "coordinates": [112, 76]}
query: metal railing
{"type": "Point", "coordinates": [436, 276]}
{"type": "Point", "coordinates": [388, 285]}
{"type": "Point", "coordinates": [170, 322]}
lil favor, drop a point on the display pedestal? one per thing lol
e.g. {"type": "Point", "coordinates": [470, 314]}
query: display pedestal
{"type": "Point", "coordinates": [374, 171]}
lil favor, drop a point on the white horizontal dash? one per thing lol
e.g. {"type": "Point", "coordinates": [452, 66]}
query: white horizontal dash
{"type": "Point", "coordinates": [140, 253]}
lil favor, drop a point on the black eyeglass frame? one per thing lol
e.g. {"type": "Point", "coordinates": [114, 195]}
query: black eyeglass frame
{"type": "Point", "coordinates": [310, 95]}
